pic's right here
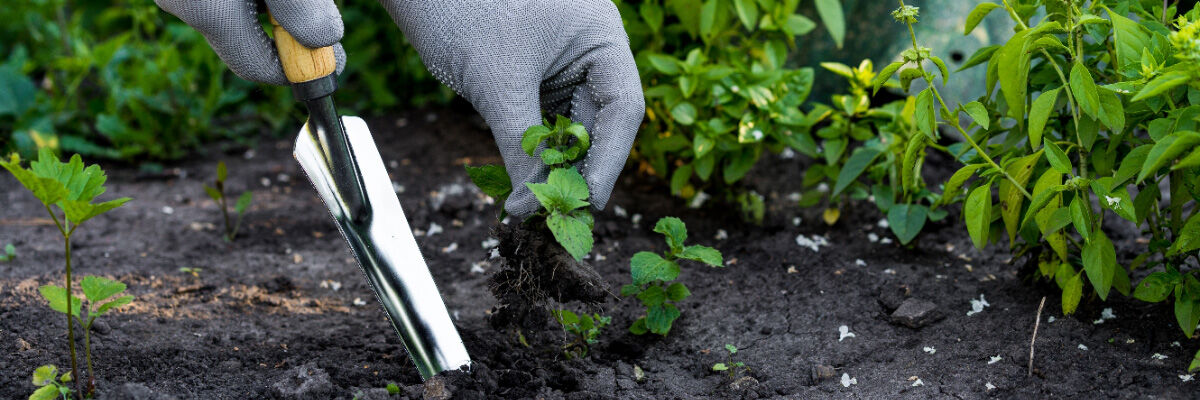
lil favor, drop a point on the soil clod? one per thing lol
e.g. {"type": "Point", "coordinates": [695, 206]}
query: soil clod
{"type": "Point", "coordinates": [916, 313]}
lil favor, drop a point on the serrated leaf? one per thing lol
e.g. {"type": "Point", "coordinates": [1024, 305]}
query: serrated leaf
{"type": "Point", "coordinates": [976, 16]}
{"type": "Point", "coordinates": [45, 374]}
{"type": "Point", "coordinates": [118, 302]}
{"type": "Point", "coordinates": [630, 289]}
{"type": "Point", "coordinates": [677, 292]}
{"type": "Point", "coordinates": [1039, 113]}
{"type": "Point", "coordinates": [45, 393]}
{"type": "Point", "coordinates": [492, 180]}
{"type": "Point", "coordinates": [570, 183]}
{"type": "Point", "coordinates": [1100, 263]}
{"type": "Point", "coordinates": [704, 254]}
{"type": "Point", "coordinates": [646, 267]}
{"type": "Point", "coordinates": [47, 190]}
{"type": "Point", "coordinates": [57, 297]}
{"type": "Point", "coordinates": [978, 113]}
{"type": "Point", "coordinates": [572, 233]}
{"type": "Point", "coordinates": [97, 289]}
{"type": "Point", "coordinates": [674, 231]}
{"type": "Point", "coordinates": [660, 318]}
{"type": "Point", "coordinates": [978, 214]}
{"type": "Point", "coordinates": [907, 220]}
{"type": "Point", "coordinates": [653, 296]}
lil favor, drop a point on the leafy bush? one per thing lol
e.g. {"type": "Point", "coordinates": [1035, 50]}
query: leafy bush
{"type": "Point", "coordinates": [653, 275]}
{"type": "Point", "coordinates": [71, 188]}
{"type": "Point", "coordinates": [711, 110]}
{"type": "Point", "coordinates": [584, 329]}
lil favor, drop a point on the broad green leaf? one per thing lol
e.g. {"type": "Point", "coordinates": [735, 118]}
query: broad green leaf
{"type": "Point", "coordinates": [1129, 40]}
{"type": "Point", "coordinates": [704, 254]}
{"type": "Point", "coordinates": [1048, 186]}
{"type": "Point", "coordinates": [719, 367]}
{"type": "Point", "coordinates": [57, 297]}
{"type": "Point", "coordinates": [1011, 197]}
{"type": "Point", "coordinates": [747, 12]}
{"type": "Point", "coordinates": [708, 17]}
{"type": "Point", "coordinates": [492, 180]}
{"type": "Point", "coordinates": [534, 137]}
{"type": "Point", "coordinates": [647, 267]}
{"type": "Point", "coordinates": [1071, 294]}
{"type": "Point", "coordinates": [941, 68]}
{"type": "Point", "coordinates": [1195, 364]}
{"type": "Point", "coordinates": [83, 184]}
{"type": "Point", "coordinates": [1112, 112]}
{"type": "Point", "coordinates": [652, 14]}
{"type": "Point", "coordinates": [1012, 63]}
{"type": "Point", "coordinates": [1057, 158]}
{"type": "Point", "coordinates": [45, 374]}
{"type": "Point", "coordinates": [222, 171]}
{"type": "Point", "coordinates": [653, 296]}
{"type": "Point", "coordinates": [906, 220]}
{"type": "Point", "coordinates": [1189, 237]}
{"type": "Point", "coordinates": [981, 56]}
{"type": "Point", "coordinates": [97, 289]}
{"type": "Point", "coordinates": [831, 14]}
{"type": "Point", "coordinates": [570, 183]}
{"type": "Point", "coordinates": [674, 231]}
{"type": "Point", "coordinates": [1081, 218]}
{"type": "Point", "coordinates": [1100, 263]}
{"type": "Point", "coordinates": [910, 169]}
{"type": "Point", "coordinates": [243, 202]}
{"type": "Point", "coordinates": [798, 24]}
{"type": "Point", "coordinates": [885, 74]}
{"type": "Point", "coordinates": [663, 63]}
{"type": "Point", "coordinates": [776, 52]}
{"type": "Point", "coordinates": [1161, 84]}
{"type": "Point", "coordinates": [680, 178]}
{"type": "Point", "coordinates": [978, 113]}
{"type": "Point", "coordinates": [45, 393]}
{"type": "Point", "coordinates": [551, 156]}
{"type": "Point", "coordinates": [978, 214]}
{"type": "Point", "coordinates": [47, 190]}
{"type": "Point", "coordinates": [976, 16]}
{"type": "Point", "coordinates": [1131, 164]}
{"type": "Point", "coordinates": [78, 211]}
{"type": "Point", "coordinates": [859, 161]}
{"type": "Point", "coordinates": [956, 182]}
{"type": "Point", "coordinates": [924, 114]}
{"type": "Point", "coordinates": [677, 292]}
{"type": "Point", "coordinates": [1039, 113]}
{"type": "Point", "coordinates": [639, 327]}
{"type": "Point", "coordinates": [213, 193]}
{"type": "Point", "coordinates": [1187, 313]}
{"type": "Point", "coordinates": [1155, 287]}
{"type": "Point", "coordinates": [118, 302]}
{"type": "Point", "coordinates": [574, 234]}
{"type": "Point", "coordinates": [1084, 89]}
{"type": "Point", "coordinates": [660, 318]}
{"type": "Point", "coordinates": [684, 113]}
{"type": "Point", "coordinates": [1167, 150]}
{"type": "Point", "coordinates": [908, 75]}
{"type": "Point", "coordinates": [17, 92]}
{"type": "Point", "coordinates": [630, 289]}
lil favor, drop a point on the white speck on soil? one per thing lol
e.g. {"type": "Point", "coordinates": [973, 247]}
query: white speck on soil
{"type": "Point", "coordinates": [283, 177]}
{"type": "Point", "coordinates": [873, 237]}
{"type": "Point", "coordinates": [1186, 378]}
{"type": "Point", "coordinates": [600, 257]}
{"type": "Point", "coordinates": [823, 187]}
{"type": "Point", "coordinates": [793, 197]}
{"type": "Point", "coordinates": [813, 243]}
{"type": "Point", "coordinates": [451, 248]}
{"type": "Point", "coordinates": [1082, 347]}
{"type": "Point", "coordinates": [1107, 313]}
{"type": "Point", "coordinates": [882, 223]}
{"type": "Point", "coordinates": [699, 200]}
{"type": "Point", "coordinates": [989, 386]}
{"type": "Point", "coordinates": [796, 221]}
{"type": "Point", "coordinates": [1158, 356]}
{"type": "Point", "coordinates": [792, 269]}
{"type": "Point", "coordinates": [787, 153]}
{"type": "Point", "coordinates": [918, 382]}
{"type": "Point", "coordinates": [490, 243]}
{"type": "Point", "coordinates": [636, 219]}
{"type": "Point", "coordinates": [1175, 344]}
{"type": "Point", "coordinates": [331, 285]}
{"type": "Point", "coordinates": [397, 187]}
{"type": "Point", "coordinates": [995, 359]}
{"type": "Point", "coordinates": [860, 262]}
{"type": "Point", "coordinates": [1051, 319]}
{"type": "Point", "coordinates": [889, 271]}
{"type": "Point", "coordinates": [620, 211]}
{"type": "Point", "coordinates": [477, 267]}
{"type": "Point", "coordinates": [248, 154]}
{"type": "Point", "coordinates": [359, 302]}
{"type": "Point", "coordinates": [721, 235]}
{"type": "Point", "coordinates": [930, 349]}
{"type": "Point", "coordinates": [168, 210]}
{"type": "Point", "coordinates": [847, 380]}
{"type": "Point", "coordinates": [434, 229]}
{"type": "Point", "coordinates": [885, 240]}
{"type": "Point", "coordinates": [495, 253]}
{"type": "Point", "coordinates": [266, 182]}
{"type": "Point", "coordinates": [977, 305]}
{"type": "Point", "coordinates": [844, 332]}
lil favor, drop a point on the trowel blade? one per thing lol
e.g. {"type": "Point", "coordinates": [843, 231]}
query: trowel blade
{"type": "Point", "coordinates": [383, 244]}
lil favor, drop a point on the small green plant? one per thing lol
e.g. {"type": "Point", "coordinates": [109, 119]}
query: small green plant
{"type": "Point", "coordinates": [50, 385]}
{"type": "Point", "coordinates": [193, 271]}
{"type": "Point", "coordinates": [653, 277]}
{"type": "Point", "coordinates": [10, 253]}
{"type": "Point", "coordinates": [585, 328]}
{"type": "Point", "coordinates": [97, 291]}
{"type": "Point", "coordinates": [733, 368]}
{"type": "Point", "coordinates": [393, 389]}
{"type": "Point", "coordinates": [217, 193]}
{"type": "Point", "coordinates": [564, 195]}
{"type": "Point", "coordinates": [71, 188]}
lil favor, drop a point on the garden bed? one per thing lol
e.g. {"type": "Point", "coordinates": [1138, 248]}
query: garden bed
{"type": "Point", "coordinates": [284, 312]}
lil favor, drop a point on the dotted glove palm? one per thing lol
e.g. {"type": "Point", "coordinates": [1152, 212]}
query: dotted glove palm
{"type": "Point", "coordinates": [513, 59]}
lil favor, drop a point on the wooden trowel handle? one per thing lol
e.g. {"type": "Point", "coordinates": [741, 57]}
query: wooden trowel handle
{"type": "Point", "coordinates": [302, 64]}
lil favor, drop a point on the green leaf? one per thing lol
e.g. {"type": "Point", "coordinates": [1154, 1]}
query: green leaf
{"type": "Point", "coordinates": [1100, 263]}
{"type": "Point", "coordinates": [1167, 150]}
{"type": "Point", "coordinates": [1187, 313]}
{"type": "Point", "coordinates": [243, 202]}
{"type": "Point", "coordinates": [731, 348]}
{"type": "Point", "coordinates": [704, 254]}
{"type": "Point", "coordinates": [831, 14]}
{"type": "Point", "coordinates": [976, 16]}
{"type": "Point", "coordinates": [1155, 287]}
{"type": "Point", "coordinates": [1011, 197]}
{"type": "Point", "coordinates": [1188, 238]}
{"type": "Point", "coordinates": [1084, 89]}
{"type": "Point", "coordinates": [653, 15]}
{"type": "Point", "coordinates": [96, 289]}
{"type": "Point", "coordinates": [1129, 40]}
{"type": "Point", "coordinates": [393, 389]}
{"type": "Point", "coordinates": [719, 367]}
{"type": "Point", "coordinates": [674, 230]}
{"type": "Point", "coordinates": [859, 161]}
{"type": "Point", "coordinates": [118, 302]}
{"type": "Point", "coordinates": [663, 63]}
{"type": "Point", "coordinates": [660, 318]}
{"type": "Point", "coordinates": [49, 392]}
{"type": "Point", "coordinates": [1131, 164]}
{"type": "Point", "coordinates": [747, 12]}
{"type": "Point", "coordinates": [534, 137]}
{"type": "Point", "coordinates": [1195, 364]}
{"type": "Point", "coordinates": [570, 183]}
{"type": "Point", "coordinates": [17, 92]}
{"type": "Point", "coordinates": [1039, 113]}
{"type": "Point", "coordinates": [213, 193]}
{"type": "Point", "coordinates": [978, 113]}
{"type": "Point", "coordinates": [574, 234]}
{"type": "Point", "coordinates": [44, 375]}
{"type": "Point", "coordinates": [1161, 84]}
{"type": "Point", "coordinates": [78, 211]}
{"type": "Point", "coordinates": [981, 56]}
{"type": "Point", "coordinates": [956, 182]}
{"type": "Point", "coordinates": [910, 169]}
{"type": "Point", "coordinates": [47, 190]}
{"type": "Point", "coordinates": [885, 74]}
{"type": "Point", "coordinates": [906, 220]}
{"type": "Point", "coordinates": [83, 184]}
{"type": "Point", "coordinates": [1072, 293]}
{"type": "Point", "coordinates": [680, 178]}
{"type": "Point", "coordinates": [1080, 217]}
{"type": "Point", "coordinates": [630, 289]}
{"type": "Point", "coordinates": [654, 295]}
{"type": "Point", "coordinates": [677, 292]}
{"type": "Point", "coordinates": [647, 267]}
{"type": "Point", "coordinates": [1012, 63]}
{"type": "Point", "coordinates": [492, 180]}
{"type": "Point", "coordinates": [924, 114]}
{"type": "Point", "coordinates": [1112, 112]}
{"type": "Point", "coordinates": [639, 327]}
{"type": "Point", "coordinates": [551, 156]}
{"type": "Point", "coordinates": [1057, 158]}
{"type": "Point", "coordinates": [57, 297]}
{"type": "Point", "coordinates": [941, 68]}
{"type": "Point", "coordinates": [978, 214]}
{"type": "Point", "coordinates": [708, 17]}
{"type": "Point", "coordinates": [684, 113]}
{"type": "Point", "coordinates": [797, 25]}
{"type": "Point", "coordinates": [222, 171]}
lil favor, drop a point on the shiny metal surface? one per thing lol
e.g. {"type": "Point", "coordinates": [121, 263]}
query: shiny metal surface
{"type": "Point", "coordinates": [344, 165]}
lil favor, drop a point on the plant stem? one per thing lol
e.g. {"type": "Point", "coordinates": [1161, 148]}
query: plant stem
{"type": "Point", "coordinates": [225, 213]}
{"type": "Point", "coordinates": [87, 352]}
{"type": "Point", "coordinates": [70, 318]}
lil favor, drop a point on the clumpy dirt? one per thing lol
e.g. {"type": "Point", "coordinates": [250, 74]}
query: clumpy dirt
{"type": "Point", "coordinates": [283, 311]}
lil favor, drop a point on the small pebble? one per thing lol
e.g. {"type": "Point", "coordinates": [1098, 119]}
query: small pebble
{"type": "Point", "coordinates": [1082, 347]}
{"type": "Point", "coordinates": [166, 210]}
{"type": "Point", "coordinates": [434, 229]}
{"type": "Point", "coordinates": [620, 211]}
{"type": "Point", "coordinates": [721, 234]}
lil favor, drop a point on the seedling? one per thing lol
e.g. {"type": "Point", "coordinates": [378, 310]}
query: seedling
{"type": "Point", "coordinates": [96, 290]}
{"type": "Point", "coordinates": [50, 385]}
{"type": "Point", "coordinates": [217, 193]}
{"type": "Point", "coordinates": [393, 389]}
{"type": "Point", "coordinates": [729, 366]}
{"type": "Point", "coordinates": [10, 253]}
{"type": "Point", "coordinates": [653, 274]}
{"type": "Point", "coordinates": [195, 272]}
{"type": "Point", "coordinates": [564, 195]}
{"type": "Point", "coordinates": [71, 188]}
{"type": "Point", "coordinates": [585, 328]}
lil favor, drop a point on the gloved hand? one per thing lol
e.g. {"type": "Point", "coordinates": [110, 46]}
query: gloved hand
{"type": "Point", "coordinates": [232, 29]}
{"type": "Point", "coordinates": [513, 59]}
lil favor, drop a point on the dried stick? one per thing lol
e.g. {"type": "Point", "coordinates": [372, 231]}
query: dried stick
{"type": "Point", "coordinates": [1033, 340]}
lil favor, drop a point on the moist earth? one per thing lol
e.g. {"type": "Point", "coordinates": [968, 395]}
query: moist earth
{"type": "Point", "coordinates": [283, 311]}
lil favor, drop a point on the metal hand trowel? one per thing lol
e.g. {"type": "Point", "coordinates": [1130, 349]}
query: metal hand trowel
{"type": "Point", "coordinates": [341, 161]}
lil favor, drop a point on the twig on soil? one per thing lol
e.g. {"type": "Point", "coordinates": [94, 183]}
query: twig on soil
{"type": "Point", "coordinates": [1033, 340]}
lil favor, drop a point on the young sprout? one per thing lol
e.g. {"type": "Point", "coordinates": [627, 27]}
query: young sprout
{"type": "Point", "coordinates": [585, 328]}
{"type": "Point", "coordinates": [217, 193]}
{"type": "Point", "coordinates": [195, 272]}
{"type": "Point", "coordinates": [652, 275]}
{"type": "Point", "coordinates": [731, 367]}
{"type": "Point", "coordinates": [10, 253]}
{"type": "Point", "coordinates": [50, 385]}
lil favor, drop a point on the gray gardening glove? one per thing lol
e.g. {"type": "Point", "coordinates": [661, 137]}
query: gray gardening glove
{"type": "Point", "coordinates": [513, 59]}
{"type": "Point", "coordinates": [232, 29]}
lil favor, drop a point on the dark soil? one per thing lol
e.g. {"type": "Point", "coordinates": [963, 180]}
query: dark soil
{"type": "Point", "coordinates": [283, 311]}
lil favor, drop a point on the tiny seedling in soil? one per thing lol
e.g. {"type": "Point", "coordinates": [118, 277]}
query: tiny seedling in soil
{"type": "Point", "coordinates": [653, 274]}
{"type": "Point", "coordinates": [195, 272]}
{"type": "Point", "coordinates": [10, 253]}
{"type": "Point", "coordinates": [585, 328]}
{"type": "Point", "coordinates": [217, 193]}
{"type": "Point", "coordinates": [50, 385]}
{"type": "Point", "coordinates": [71, 188]}
{"type": "Point", "coordinates": [733, 368]}
{"type": "Point", "coordinates": [393, 389]}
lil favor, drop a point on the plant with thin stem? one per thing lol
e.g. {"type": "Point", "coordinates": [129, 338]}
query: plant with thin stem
{"type": "Point", "coordinates": [583, 327]}
{"type": "Point", "coordinates": [193, 271]}
{"type": "Point", "coordinates": [71, 188]}
{"type": "Point", "coordinates": [733, 368]}
{"type": "Point", "coordinates": [10, 253]}
{"type": "Point", "coordinates": [217, 193]}
{"type": "Point", "coordinates": [50, 385]}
